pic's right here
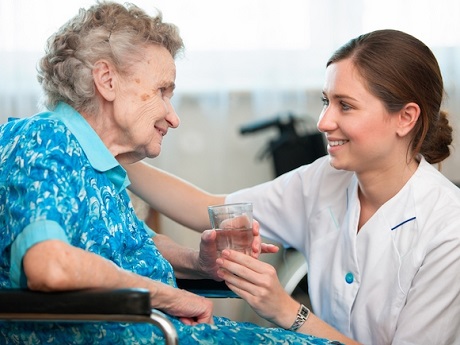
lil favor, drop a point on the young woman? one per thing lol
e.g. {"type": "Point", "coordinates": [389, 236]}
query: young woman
{"type": "Point", "coordinates": [378, 224]}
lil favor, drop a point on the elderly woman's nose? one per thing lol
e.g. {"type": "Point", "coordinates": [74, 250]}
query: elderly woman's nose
{"type": "Point", "coordinates": [172, 118]}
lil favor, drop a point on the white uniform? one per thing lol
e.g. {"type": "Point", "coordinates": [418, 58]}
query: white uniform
{"type": "Point", "coordinates": [397, 281]}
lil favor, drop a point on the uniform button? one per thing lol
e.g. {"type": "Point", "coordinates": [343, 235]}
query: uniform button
{"type": "Point", "coordinates": [349, 278]}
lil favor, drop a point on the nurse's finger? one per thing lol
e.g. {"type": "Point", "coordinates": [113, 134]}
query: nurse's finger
{"type": "Point", "coordinates": [256, 272]}
{"type": "Point", "coordinates": [239, 284]}
{"type": "Point", "coordinates": [268, 248]}
{"type": "Point", "coordinates": [242, 259]}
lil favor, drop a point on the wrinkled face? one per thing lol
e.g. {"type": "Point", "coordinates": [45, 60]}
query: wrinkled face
{"type": "Point", "coordinates": [360, 132]}
{"type": "Point", "coordinates": [142, 108]}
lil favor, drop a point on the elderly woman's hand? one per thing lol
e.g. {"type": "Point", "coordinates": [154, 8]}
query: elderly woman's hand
{"type": "Point", "coordinates": [191, 309]}
{"type": "Point", "coordinates": [208, 254]}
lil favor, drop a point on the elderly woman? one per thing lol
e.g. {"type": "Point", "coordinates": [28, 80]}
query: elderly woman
{"type": "Point", "coordinates": [66, 218]}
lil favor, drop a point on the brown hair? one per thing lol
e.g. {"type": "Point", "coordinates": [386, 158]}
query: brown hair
{"type": "Point", "coordinates": [106, 30]}
{"type": "Point", "coordinates": [398, 69]}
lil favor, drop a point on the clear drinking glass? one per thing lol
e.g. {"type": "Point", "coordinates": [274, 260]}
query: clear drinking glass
{"type": "Point", "coordinates": [233, 223]}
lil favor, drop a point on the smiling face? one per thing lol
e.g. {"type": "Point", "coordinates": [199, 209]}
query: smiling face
{"type": "Point", "coordinates": [361, 133]}
{"type": "Point", "coordinates": [142, 109]}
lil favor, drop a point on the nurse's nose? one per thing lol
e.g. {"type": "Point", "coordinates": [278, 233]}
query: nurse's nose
{"type": "Point", "coordinates": [326, 121]}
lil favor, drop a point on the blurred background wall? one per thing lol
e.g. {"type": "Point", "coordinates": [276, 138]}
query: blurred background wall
{"type": "Point", "coordinates": [245, 61]}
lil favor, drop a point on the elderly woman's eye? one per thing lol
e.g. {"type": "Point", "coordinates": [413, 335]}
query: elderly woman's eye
{"type": "Point", "coordinates": [167, 92]}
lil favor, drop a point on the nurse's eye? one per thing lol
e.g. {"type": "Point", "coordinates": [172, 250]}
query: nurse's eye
{"type": "Point", "coordinates": [325, 101]}
{"type": "Point", "coordinates": [345, 106]}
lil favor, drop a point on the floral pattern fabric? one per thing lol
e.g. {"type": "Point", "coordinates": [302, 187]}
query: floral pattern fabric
{"type": "Point", "coordinates": [46, 178]}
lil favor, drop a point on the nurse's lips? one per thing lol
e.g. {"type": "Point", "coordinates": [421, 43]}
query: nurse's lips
{"type": "Point", "coordinates": [336, 142]}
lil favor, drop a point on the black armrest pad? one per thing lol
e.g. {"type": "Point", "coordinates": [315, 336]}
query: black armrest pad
{"type": "Point", "coordinates": [201, 284]}
{"type": "Point", "coordinates": [207, 288]}
{"type": "Point", "coordinates": [93, 301]}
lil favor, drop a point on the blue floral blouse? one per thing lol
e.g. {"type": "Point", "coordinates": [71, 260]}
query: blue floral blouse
{"type": "Point", "coordinates": [59, 181]}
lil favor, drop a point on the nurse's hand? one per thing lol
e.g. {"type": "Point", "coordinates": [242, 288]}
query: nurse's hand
{"type": "Point", "coordinates": [257, 246]}
{"type": "Point", "coordinates": [257, 283]}
{"type": "Point", "coordinates": [208, 251]}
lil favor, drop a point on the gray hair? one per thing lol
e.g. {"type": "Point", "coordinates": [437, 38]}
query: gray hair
{"type": "Point", "coordinates": [108, 31]}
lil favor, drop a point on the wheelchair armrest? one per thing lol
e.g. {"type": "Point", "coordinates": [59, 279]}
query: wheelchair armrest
{"type": "Point", "coordinates": [207, 288]}
{"type": "Point", "coordinates": [93, 305]}
{"type": "Point", "coordinates": [92, 301]}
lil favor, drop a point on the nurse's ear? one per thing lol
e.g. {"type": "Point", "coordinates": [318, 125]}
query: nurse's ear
{"type": "Point", "coordinates": [104, 78]}
{"type": "Point", "coordinates": [407, 118]}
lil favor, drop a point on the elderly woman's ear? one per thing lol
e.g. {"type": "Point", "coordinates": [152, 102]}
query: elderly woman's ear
{"type": "Point", "coordinates": [104, 79]}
